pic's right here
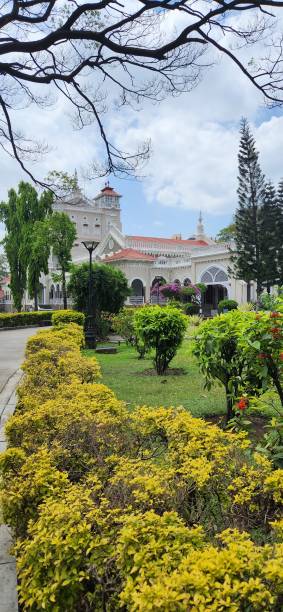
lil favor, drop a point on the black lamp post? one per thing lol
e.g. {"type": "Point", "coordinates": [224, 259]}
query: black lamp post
{"type": "Point", "coordinates": [90, 339]}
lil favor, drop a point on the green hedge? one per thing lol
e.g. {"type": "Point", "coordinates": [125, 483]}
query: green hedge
{"type": "Point", "coordinates": [227, 305]}
{"type": "Point", "coordinates": [20, 319]}
{"type": "Point", "coordinates": [67, 316]}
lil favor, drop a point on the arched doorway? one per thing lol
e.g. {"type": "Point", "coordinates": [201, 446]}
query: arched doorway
{"type": "Point", "coordinates": [213, 295]}
{"type": "Point", "coordinates": [137, 296]}
{"type": "Point", "coordinates": [216, 281]}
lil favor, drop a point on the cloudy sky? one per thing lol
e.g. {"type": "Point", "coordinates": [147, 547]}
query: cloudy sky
{"type": "Point", "coordinates": [193, 165]}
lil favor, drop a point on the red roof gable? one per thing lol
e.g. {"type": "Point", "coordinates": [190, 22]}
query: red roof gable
{"type": "Point", "coordinates": [107, 190]}
{"type": "Point", "coordinates": [169, 240]}
{"type": "Point", "coordinates": [129, 254]}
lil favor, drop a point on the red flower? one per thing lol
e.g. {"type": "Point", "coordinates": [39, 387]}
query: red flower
{"type": "Point", "coordinates": [276, 332]}
{"type": "Point", "coordinates": [243, 403]}
{"type": "Point", "coordinates": [274, 315]}
{"type": "Point", "coordinates": [262, 355]}
{"type": "Point", "coordinates": [281, 356]}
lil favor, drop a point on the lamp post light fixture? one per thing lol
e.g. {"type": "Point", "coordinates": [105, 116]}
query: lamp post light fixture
{"type": "Point", "coordinates": [90, 338]}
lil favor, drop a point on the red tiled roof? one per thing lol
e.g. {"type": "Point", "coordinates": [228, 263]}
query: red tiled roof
{"type": "Point", "coordinates": [5, 280]}
{"type": "Point", "coordinates": [107, 190]}
{"type": "Point", "coordinates": [129, 254]}
{"type": "Point", "coordinates": [169, 240]}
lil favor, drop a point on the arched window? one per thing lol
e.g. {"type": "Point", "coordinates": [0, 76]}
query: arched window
{"type": "Point", "coordinates": [52, 292]}
{"type": "Point", "coordinates": [214, 275]}
{"type": "Point", "coordinates": [187, 282]}
{"type": "Point", "coordinates": [158, 280]}
{"type": "Point", "coordinates": [137, 287]}
{"type": "Point", "coordinates": [177, 282]}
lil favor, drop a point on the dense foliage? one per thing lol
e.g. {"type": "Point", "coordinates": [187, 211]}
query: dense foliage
{"type": "Point", "coordinates": [221, 359]}
{"type": "Point", "coordinates": [161, 329]}
{"type": "Point", "coordinates": [22, 319]}
{"type": "Point", "coordinates": [123, 324]}
{"type": "Point", "coordinates": [62, 233]}
{"type": "Point", "coordinates": [109, 289]}
{"type": "Point", "coordinates": [143, 510]}
{"type": "Point", "coordinates": [258, 252]}
{"type": "Point", "coordinates": [27, 251]}
{"type": "Point", "coordinates": [225, 305]}
{"type": "Point", "coordinates": [67, 316]}
{"type": "Point", "coordinates": [243, 351]}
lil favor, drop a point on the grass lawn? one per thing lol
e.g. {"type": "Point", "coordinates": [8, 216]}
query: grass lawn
{"type": "Point", "coordinates": [124, 374]}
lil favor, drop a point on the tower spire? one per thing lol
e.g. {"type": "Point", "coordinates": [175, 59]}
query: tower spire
{"type": "Point", "coordinates": [200, 226]}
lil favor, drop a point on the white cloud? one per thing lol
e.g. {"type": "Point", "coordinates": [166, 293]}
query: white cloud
{"type": "Point", "coordinates": [194, 141]}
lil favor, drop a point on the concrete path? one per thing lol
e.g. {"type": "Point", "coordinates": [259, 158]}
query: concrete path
{"type": "Point", "coordinates": [12, 348]}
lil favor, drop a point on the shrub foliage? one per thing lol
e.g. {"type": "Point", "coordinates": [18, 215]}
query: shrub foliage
{"type": "Point", "coordinates": [161, 329]}
{"type": "Point", "coordinates": [20, 319]}
{"type": "Point", "coordinates": [67, 316]}
{"type": "Point", "coordinates": [143, 510]}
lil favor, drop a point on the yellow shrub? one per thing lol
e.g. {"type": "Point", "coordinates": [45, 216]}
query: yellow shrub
{"type": "Point", "coordinates": [46, 370]}
{"type": "Point", "coordinates": [160, 574]}
{"type": "Point", "coordinates": [67, 561]}
{"type": "Point", "coordinates": [27, 482]}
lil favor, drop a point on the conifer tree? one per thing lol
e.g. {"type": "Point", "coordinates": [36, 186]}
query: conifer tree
{"type": "Point", "coordinates": [247, 258]}
{"type": "Point", "coordinates": [280, 232]}
{"type": "Point", "coordinates": [268, 236]}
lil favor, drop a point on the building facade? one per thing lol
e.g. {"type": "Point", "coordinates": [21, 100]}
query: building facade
{"type": "Point", "coordinates": [143, 259]}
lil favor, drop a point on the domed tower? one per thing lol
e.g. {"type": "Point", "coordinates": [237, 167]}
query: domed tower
{"type": "Point", "coordinates": [107, 202]}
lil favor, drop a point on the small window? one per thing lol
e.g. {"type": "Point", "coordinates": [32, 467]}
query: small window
{"type": "Point", "coordinates": [97, 225]}
{"type": "Point", "coordinates": [85, 224]}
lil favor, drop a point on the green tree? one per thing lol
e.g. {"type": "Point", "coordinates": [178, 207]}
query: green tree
{"type": "Point", "coordinates": [110, 288]}
{"type": "Point", "coordinates": [62, 182]}
{"type": "Point", "coordinates": [62, 234]}
{"type": "Point", "coordinates": [247, 257]}
{"type": "Point", "coordinates": [222, 359]}
{"type": "Point", "coordinates": [20, 214]}
{"type": "Point", "coordinates": [280, 232]}
{"type": "Point", "coordinates": [38, 260]}
{"type": "Point", "coordinates": [161, 329]}
{"type": "Point", "coordinates": [226, 233]}
{"type": "Point", "coordinates": [269, 240]}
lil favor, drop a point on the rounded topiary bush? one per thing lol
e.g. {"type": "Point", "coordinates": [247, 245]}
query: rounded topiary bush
{"type": "Point", "coordinates": [161, 329]}
{"type": "Point", "coordinates": [226, 305]}
{"type": "Point", "coordinates": [67, 316]}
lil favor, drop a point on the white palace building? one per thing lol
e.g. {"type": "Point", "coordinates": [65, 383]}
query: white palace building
{"type": "Point", "coordinates": [195, 259]}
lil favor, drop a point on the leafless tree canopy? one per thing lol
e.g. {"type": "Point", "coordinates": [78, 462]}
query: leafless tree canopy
{"type": "Point", "coordinates": [84, 50]}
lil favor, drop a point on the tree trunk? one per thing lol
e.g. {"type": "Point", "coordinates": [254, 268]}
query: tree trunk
{"type": "Point", "coordinates": [248, 291]}
{"type": "Point", "coordinates": [229, 405]}
{"type": "Point", "coordinates": [64, 290]}
{"type": "Point", "coordinates": [35, 299]}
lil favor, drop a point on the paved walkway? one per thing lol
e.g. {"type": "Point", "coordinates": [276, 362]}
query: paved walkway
{"type": "Point", "coordinates": [12, 348]}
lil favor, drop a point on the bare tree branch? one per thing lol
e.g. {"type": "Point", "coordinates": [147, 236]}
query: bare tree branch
{"type": "Point", "coordinates": [86, 50]}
